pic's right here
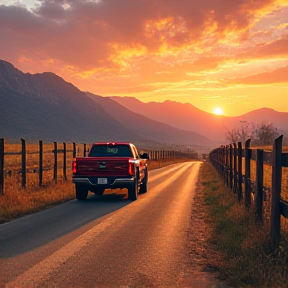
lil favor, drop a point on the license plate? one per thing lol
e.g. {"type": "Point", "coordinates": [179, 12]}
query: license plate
{"type": "Point", "coordinates": [102, 181]}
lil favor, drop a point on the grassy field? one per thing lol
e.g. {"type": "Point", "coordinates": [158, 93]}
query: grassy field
{"type": "Point", "coordinates": [246, 257]}
{"type": "Point", "coordinates": [267, 172]}
{"type": "Point", "coordinates": [17, 202]}
{"type": "Point", "coordinates": [12, 163]}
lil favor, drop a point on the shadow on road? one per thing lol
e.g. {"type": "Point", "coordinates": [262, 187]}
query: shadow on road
{"type": "Point", "coordinates": [35, 230]}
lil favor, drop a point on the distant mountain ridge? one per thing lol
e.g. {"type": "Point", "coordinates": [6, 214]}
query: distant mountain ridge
{"type": "Point", "coordinates": [44, 106]}
{"type": "Point", "coordinates": [150, 129]}
{"type": "Point", "coordinates": [188, 117]}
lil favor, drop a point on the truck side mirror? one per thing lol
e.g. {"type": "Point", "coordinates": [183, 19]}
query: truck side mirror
{"type": "Point", "coordinates": [144, 156]}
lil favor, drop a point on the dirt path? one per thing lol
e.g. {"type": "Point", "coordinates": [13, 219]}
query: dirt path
{"type": "Point", "coordinates": [201, 270]}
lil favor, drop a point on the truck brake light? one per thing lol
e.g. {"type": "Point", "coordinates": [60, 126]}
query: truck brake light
{"type": "Point", "coordinates": [131, 167]}
{"type": "Point", "coordinates": [74, 167]}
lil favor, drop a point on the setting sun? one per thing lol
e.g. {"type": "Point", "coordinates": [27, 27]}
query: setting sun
{"type": "Point", "coordinates": [218, 111]}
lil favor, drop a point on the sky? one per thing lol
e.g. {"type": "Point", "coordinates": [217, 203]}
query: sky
{"type": "Point", "coordinates": [225, 54]}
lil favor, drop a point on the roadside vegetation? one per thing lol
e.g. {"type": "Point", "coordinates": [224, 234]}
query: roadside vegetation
{"type": "Point", "coordinates": [17, 202]}
{"type": "Point", "coordinates": [246, 257]}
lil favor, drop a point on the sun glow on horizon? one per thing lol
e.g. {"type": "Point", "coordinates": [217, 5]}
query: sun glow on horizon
{"type": "Point", "coordinates": [218, 111]}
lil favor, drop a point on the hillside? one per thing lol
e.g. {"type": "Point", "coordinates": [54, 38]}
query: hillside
{"type": "Point", "coordinates": [188, 117]}
{"type": "Point", "coordinates": [44, 106]}
{"type": "Point", "coordinates": [147, 128]}
{"type": "Point", "coordinates": [267, 115]}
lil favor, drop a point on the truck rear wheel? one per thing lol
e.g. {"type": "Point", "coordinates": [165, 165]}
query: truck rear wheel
{"type": "Point", "coordinates": [81, 192]}
{"type": "Point", "coordinates": [144, 184]}
{"type": "Point", "coordinates": [133, 191]}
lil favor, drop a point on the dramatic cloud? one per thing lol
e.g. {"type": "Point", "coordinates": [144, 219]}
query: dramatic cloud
{"type": "Point", "coordinates": [101, 44]}
{"type": "Point", "coordinates": [277, 76]}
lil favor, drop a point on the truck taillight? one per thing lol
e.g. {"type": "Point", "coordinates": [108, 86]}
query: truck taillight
{"type": "Point", "coordinates": [132, 163]}
{"type": "Point", "coordinates": [74, 167]}
{"type": "Point", "coordinates": [131, 167]}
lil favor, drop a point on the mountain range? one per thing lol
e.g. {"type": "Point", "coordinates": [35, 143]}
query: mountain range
{"type": "Point", "coordinates": [147, 128]}
{"type": "Point", "coordinates": [188, 117]}
{"type": "Point", "coordinates": [44, 106]}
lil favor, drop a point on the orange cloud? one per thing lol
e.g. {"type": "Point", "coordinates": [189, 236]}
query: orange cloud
{"type": "Point", "coordinates": [164, 45]}
{"type": "Point", "coordinates": [81, 34]}
{"type": "Point", "coordinates": [277, 76]}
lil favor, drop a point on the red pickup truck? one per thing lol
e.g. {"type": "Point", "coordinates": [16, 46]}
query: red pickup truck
{"type": "Point", "coordinates": [109, 166]}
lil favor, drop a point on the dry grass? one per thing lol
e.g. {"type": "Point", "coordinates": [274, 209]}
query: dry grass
{"type": "Point", "coordinates": [17, 202]}
{"type": "Point", "coordinates": [247, 259]}
{"type": "Point", "coordinates": [267, 182]}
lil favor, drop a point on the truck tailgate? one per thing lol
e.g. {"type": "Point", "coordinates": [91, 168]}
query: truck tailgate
{"type": "Point", "coordinates": [103, 167]}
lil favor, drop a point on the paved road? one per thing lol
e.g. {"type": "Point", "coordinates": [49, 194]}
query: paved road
{"type": "Point", "coordinates": [105, 241]}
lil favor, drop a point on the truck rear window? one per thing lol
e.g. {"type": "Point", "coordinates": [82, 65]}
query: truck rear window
{"type": "Point", "coordinates": [107, 150]}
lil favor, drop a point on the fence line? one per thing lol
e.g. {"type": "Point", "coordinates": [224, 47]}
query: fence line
{"type": "Point", "coordinates": [228, 162]}
{"type": "Point", "coordinates": [153, 155]}
{"type": "Point", "coordinates": [168, 154]}
{"type": "Point", "coordinates": [24, 170]}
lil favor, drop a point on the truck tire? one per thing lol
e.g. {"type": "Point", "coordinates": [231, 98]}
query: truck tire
{"type": "Point", "coordinates": [133, 191]}
{"type": "Point", "coordinates": [144, 184]}
{"type": "Point", "coordinates": [81, 192]}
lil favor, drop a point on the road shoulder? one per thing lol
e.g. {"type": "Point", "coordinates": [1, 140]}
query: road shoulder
{"type": "Point", "coordinates": [201, 267]}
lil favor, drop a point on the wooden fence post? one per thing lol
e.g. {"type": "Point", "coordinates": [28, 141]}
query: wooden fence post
{"type": "Point", "coordinates": [222, 162]}
{"type": "Point", "coordinates": [235, 168]}
{"type": "Point", "coordinates": [84, 152]}
{"type": "Point", "coordinates": [55, 163]}
{"type": "Point", "coordinates": [259, 185]}
{"type": "Point", "coordinates": [2, 143]}
{"type": "Point", "coordinates": [23, 144]}
{"type": "Point", "coordinates": [226, 165]}
{"type": "Point", "coordinates": [247, 174]}
{"type": "Point", "coordinates": [74, 150]}
{"type": "Point", "coordinates": [40, 162]}
{"type": "Point", "coordinates": [240, 180]}
{"type": "Point", "coordinates": [64, 162]}
{"type": "Point", "coordinates": [276, 190]}
{"type": "Point", "coordinates": [230, 166]}
{"type": "Point", "coordinates": [217, 159]}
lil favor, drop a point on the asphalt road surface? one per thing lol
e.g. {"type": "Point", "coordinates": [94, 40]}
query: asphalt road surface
{"type": "Point", "coordinates": [105, 241]}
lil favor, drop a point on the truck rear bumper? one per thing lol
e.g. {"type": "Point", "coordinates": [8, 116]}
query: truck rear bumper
{"type": "Point", "coordinates": [111, 183]}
